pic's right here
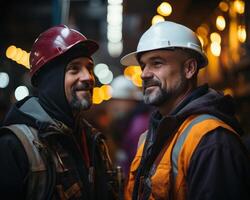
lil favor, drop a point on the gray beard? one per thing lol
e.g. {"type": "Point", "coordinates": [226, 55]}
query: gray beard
{"type": "Point", "coordinates": [157, 99]}
{"type": "Point", "coordinates": [80, 105]}
{"type": "Point", "coordinates": [162, 96]}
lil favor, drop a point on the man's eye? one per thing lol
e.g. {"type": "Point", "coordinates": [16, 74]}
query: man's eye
{"type": "Point", "coordinates": [157, 63]}
{"type": "Point", "coordinates": [72, 67]}
{"type": "Point", "coordinates": [72, 70]}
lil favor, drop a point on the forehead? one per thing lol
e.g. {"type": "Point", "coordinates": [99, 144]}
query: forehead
{"type": "Point", "coordinates": [161, 54]}
{"type": "Point", "coordinates": [81, 60]}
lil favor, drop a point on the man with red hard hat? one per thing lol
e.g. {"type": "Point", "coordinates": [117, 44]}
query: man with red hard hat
{"type": "Point", "coordinates": [47, 149]}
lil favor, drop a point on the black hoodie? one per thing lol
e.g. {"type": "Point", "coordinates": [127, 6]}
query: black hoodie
{"type": "Point", "coordinates": [220, 166]}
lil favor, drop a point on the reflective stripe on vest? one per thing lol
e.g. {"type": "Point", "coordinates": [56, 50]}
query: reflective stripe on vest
{"type": "Point", "coordinates": [184, 143]}
{"type": "Point", "coordinates": [181, 139]}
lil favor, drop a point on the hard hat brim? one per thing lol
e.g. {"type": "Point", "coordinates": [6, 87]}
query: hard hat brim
{"type": "Point", "coordinates": [131, 59]}
{"type": "Point", "coordinates": [91, 46]}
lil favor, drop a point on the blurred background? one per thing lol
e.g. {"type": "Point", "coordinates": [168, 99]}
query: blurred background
{"type": "Point", "coordinates": [223, 27]}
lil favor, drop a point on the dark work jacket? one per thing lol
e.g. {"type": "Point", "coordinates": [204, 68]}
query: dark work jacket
{"type": "Point", "coordinates": [14, 165]}
{"type": "Point", "coordinates": [220, 166]}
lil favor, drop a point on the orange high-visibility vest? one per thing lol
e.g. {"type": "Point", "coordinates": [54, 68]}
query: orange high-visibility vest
{"type": "Point", "coordinates": [175, 159]}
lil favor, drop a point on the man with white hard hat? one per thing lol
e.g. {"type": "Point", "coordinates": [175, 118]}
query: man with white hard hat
{"type": "Point", "coordinates": [192, 148]}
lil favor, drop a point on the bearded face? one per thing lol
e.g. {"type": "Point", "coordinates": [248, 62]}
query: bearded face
{"type": "Point", "coordinates": [156, 94]}
{"type": "Point", "coordinates": [81, 97]}
{"type": "Point", "coordinates": [163, 76]}
{"type": "Point", "coordinates": [79, 83]}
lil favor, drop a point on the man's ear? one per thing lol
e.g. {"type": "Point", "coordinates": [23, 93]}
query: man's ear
{"type": "Point", "coordinates": [190, 68]}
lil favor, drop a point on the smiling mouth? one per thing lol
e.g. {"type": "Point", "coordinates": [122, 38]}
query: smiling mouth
{"type": "Point", "coordinates": [150, 88]}
{"type": "Point", "coordinates": [83, 91]}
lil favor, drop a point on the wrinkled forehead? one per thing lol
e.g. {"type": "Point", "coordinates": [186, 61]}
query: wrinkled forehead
{"type": "Point", "coordinates": [169, 53]}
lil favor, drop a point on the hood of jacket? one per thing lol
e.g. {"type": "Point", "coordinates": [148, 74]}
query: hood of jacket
{"type": "Point", "coordinates": [28, 111]}
{"type": "Point", "coordinates": [214, 103]}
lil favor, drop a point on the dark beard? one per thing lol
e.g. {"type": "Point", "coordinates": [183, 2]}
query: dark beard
{"type": "Point", "coordinates": [159, 98]}
{"type": "Point", "coordinates": [80, 105]}
{"type": "Point", "coordinates": [77, 105]}
{"type": "Point", "coordinates": [162, 96]}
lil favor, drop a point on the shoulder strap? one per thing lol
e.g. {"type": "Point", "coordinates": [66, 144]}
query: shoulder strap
{"type": "Point", "coordinates": [29, 139]}
{"type": "Point", "coordinates": [180, 141]}
{"type": "Point", "coordinates": [41, 177]}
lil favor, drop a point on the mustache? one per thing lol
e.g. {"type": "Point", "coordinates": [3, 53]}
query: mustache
{"type": "Point", "coordinates": [150, 82]}
{"type": "Point", "coordinates": [83, 86]}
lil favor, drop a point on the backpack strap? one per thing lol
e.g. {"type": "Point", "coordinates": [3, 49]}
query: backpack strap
{"type": "Point", "coordinates": [41, 176]}
{"type": "Point", "coordinates": [29, 139]}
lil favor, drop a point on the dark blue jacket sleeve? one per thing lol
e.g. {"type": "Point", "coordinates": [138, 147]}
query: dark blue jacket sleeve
{"type": "Point", "coordinates": [219, 168]}
{"type": "Point", "coordinates": [13, 167]}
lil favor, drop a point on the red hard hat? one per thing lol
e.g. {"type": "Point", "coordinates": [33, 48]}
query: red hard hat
{"type": "Point", "coordinates": [55, 42]}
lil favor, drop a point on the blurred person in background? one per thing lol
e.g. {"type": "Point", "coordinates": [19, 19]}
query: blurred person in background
{"type": "Point", "coordinates": [47, 149]}
{"type": "Point", "coordinates": [192, 149]}
{"type": "Point", "coordinates": [128, 117]}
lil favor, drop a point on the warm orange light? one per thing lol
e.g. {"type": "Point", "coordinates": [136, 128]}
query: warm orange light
{"type": "Point", "coordinates": [201, 40]}
{"type": "Point", "coordinates": [239, 6]}
{"type": "Point", "coordinates": [22, 58]}
{"type": "Point", "coordinates": [136, 79]}
{"type": "Point", "coordinates": [223, 6]}
{"type": "Point", "coordinates": [164, 9]}
{"type": "Point", "coordinates": [131, 70]}
{"type": "Point", "coordinates": [215, 48]}
{"type": "Point", "coordinates": [157, 18]}
{"type": "Point", "coordinates": [27, 61]}
{"type": "Point", "coordinates": [18, 55]}
{"type": "Point", "coordinates": [215, 37]}
{"type": "Point", "coordinates": [202, 31]}
{"type": "Point", "coordinates": [242, 35]}
{"type": "Point", "coordinates": [106, 91]}
{"type": "Point", "coordinates": [128, 72]}
{"type": "Point", "coordinates": [97, 95]}
{"type": "Point", "coordinates": [11, 52]}
{"type": "Point", "coordinates": [228, 91]}
{"type": "Point", "coordinates": [220, 23]}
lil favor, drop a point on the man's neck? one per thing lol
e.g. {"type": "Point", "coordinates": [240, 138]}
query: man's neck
{"type": "Point", "coordinates": [174, 102]}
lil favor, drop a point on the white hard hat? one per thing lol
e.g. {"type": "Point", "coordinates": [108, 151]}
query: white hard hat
{"type": "Point", "coordinates": [123, 88]}
{"type": "Point", "coordinates": [167, 35]}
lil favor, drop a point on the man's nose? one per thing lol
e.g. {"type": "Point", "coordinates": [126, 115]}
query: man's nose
{"type": "Point", "coordinates": [146, 73]}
